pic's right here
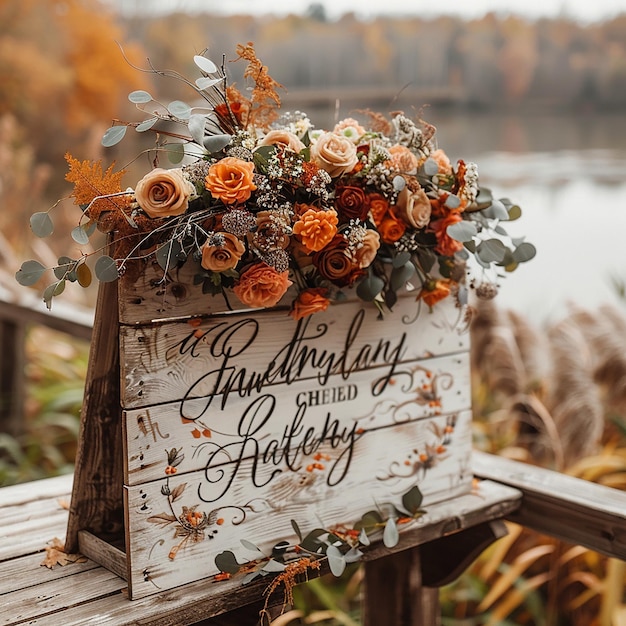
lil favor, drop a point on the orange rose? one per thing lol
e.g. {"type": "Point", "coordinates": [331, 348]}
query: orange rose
{"type": "Point", "coordinates": [163, 193]}
{"type": "Point", "coordinates": [366, 253]}
{"type": "Point", "coordinates": [262, 286]}
{"type": "Point", "coordinates": [230, 180]}
{"type": "Point", "coordinates": [282, 139]}
{"type": "Point", "coordinates": [402, 160]}
{"type": "Point", "coordinates": [221, 252]}
{"type": "Point", "coordinates": [334, 153]}
{"type": "Point", "coordinates": [445, 244]}
{"type": "Point", "coordinates": [308, 302]}
{"type": "Point", "coordinates": [413, 207]}
{"type": "Point", "coordinates": [391, 228]}
{"type": "Point", "coordinates": [378, 207]}
{"type": "Point", "coordinates": [434, 291]}
{"type": "Point", "coordinates": [316, 228]}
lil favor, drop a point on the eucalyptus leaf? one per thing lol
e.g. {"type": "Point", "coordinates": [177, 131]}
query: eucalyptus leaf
{"type": "Point", "coordinates": [29, 273]}
{"type": "Point", "coordinates": [491, 251]}
{"type": "Point", "coordinates": [179, 109]}
{"type": "Point", "coordinates": [336, 561]}
{"type": "Point", "coordinates": [55, 289]}
{"type": "Point", "coordinates": [113, 136]}
{"type": "Point", "coordinates": [41, 224]}
{"type": "Point", "coordinates": [140, 97]}
{"type": "Point", "coordinates": [65, 264]}
{"type": "Point", "coordinates": [106, 269]}
{"type": "Point", "coordinates": [166, 254]}
{"type": "Point", "coordinates": [391, 536]}
{"type": "Point", "coordinates": [412, 500]}
{"type": "Point", "coordinates": [216, 143]}
{"type": "Point", "coordinates": [514, 212]}
{"type": "Point", "coordinates": [484, 198]}
{"type": "Point", "coordinates": [79, 234]}
{"type": "Point", "coordinates": [296, 529]}
{"type": "Point", "coordinates": [206, 65]}
{"type": "Point", "coordinates": [196, 125]}
{"type": "Point", "coordinates": [399, 183]}
{"type": "Point", "coordinates": [248, 545]}
{"type": "Point", "coordinates": [524, 252]}
{"type": "Point", "coordinates": [146, 124]}
{"type": "Point", "coordinates": [401, 275]}
{"type": "Point", "coordinates": [312, 541]}
{"type": "Point", "coordinates": [353, 555]}
{"type": "Point", "coordinates": [452, 201]}
{"type": "Point", "coordinates": [369, 287]}
{"type": "Point", "coordinates": [175, 152]}
{"type": "Point", "coordinates": [496, 211]}
{"type": "Point", "coordinates": [430, 167]}
{"type": "Point", "coordinates": [462, 231]}
{"type": "Point", "coordinates": [83, 275]}
{"type": "Point", "coordinates": [363, 538]}
{"type": "Point", "coordinates": [274, 566]}
{"type": "Point", "coordinates": [205, 82]}
{"type": "Point", "coordinates": [227, 562]}
{"type": "Point", "coordinates": [401, 258]}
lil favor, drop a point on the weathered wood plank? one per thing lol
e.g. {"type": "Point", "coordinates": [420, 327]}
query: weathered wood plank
{"type": "Point", "coordinates": [227, 354]}
{"type": "Point", "coordinates": [200, 600]}
{"type": "Point", "coordinates": [256, 498]}
{"type": "Point", "coordinates": [97, 498]}
{"type": "Point", "coordinates": [571, 509]}
{"type": "Point", "coordinates": [16, 495]}
{"type": "Point", "coordinates": [201, 426]}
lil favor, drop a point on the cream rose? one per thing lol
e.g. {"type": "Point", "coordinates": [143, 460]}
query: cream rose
{"type": "Point", "coordinates": [164, 193]}
{"type": "Point", "coordinates": [413, 207]}
{"type": "Point", "coordinates": [334, 153]}
{"type": "Point", "coordinates": [366, 253]}
{"type": "Point", "coordinates": [283, 139]}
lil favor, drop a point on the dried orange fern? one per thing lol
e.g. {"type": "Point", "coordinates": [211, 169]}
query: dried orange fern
{"type": "Point", "coordinates": [91, 182]}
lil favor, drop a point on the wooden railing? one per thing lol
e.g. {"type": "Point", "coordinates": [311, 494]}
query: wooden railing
{"type": "Point", "coordinates": [17, 315]}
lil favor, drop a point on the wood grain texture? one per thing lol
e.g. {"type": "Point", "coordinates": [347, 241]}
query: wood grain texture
{"type": "Point", "coordinates": [97, 496]}
{"type": "Point", "coordinates": [568, 508]}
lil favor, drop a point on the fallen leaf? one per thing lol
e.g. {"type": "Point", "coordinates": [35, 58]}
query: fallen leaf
{"type": "Point", "coordinates": [56, 556]}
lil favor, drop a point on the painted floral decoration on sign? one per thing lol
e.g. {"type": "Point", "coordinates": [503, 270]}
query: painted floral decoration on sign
{"type": "Point", "coordinates": [278, 212]}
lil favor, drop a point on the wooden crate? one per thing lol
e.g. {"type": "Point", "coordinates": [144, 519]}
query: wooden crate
{"type": "Point", "coordinates": [235, 423]}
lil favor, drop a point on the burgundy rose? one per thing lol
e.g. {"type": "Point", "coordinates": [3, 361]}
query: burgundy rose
{"type": "Point", "coordinates": [351, 204]}
{"type": "Point", "coordinates": [335, 263]}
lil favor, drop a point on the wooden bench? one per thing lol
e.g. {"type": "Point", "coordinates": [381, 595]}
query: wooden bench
{"type": "Point", "coordinates": [33, 514]}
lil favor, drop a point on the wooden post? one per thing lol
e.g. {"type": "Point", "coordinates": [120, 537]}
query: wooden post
{"type": "Point", "coordinates": [12, 339]}
{"type": "Point", "coordinates": [97, 496]}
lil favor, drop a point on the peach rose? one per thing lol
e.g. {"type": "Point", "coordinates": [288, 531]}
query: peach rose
{"type": "Point", "coordinates": [316, 228]}
{"type": "Point", "coordinates": [308, 302]}
{"type": "Point", "coordinates": [164, 193]}
{"type": "Point", "coordinates": [231, 180]}
{"type": "Point", "coordinates": [262, 286]}
{"type": "Point", "coordinates": [366, 253]}
{"type": "Point", "coordinates": [221, 252]}
{"type": "Point", "coordinates": [282, 139]}
{"type": "Point", "coordinates": [403, 160]}
{"type": "Point", "coordinates": [334, 153]}
{"type": "Point", "coordinates": [445, 167]}
{"type": "Point", "coordinates": [350, 129]}
{"type": "Point", "coordinates": [413, 207]}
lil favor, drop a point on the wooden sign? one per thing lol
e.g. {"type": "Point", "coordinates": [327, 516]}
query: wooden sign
{"type": "Point", "coordinates": [237, 423]}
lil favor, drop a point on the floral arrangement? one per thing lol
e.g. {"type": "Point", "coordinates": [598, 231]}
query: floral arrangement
{"type": "Point", "coordinates": [277, 212]}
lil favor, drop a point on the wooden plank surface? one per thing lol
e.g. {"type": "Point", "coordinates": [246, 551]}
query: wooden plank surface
{"type": "Point", "coordinates": [81, 594]}
{"type": "Point", "coordinates": [571, 509]}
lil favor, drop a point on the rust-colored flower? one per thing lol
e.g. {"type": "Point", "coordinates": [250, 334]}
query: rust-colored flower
{"type": "Point", "coordinates": [231, 180]}
{"type": "Point", "coordinates": [308, 302]}
{"type": "Point", "coordinates": [434, 291]}
{"type": "Point", "coordinates": [413, 207]}
{"type": "Point", "coordinates": [334, 153]}
{"type": "Point", "coordinates": [282, 139]}
{"type": "Point", "coordinates": [221, 252]}
{"type": "Point", "coordinates": [379, 206]}
{"type": "Point", "coordinates": [446, 245]}
{"type": "Point", "coordinates": [163, 193]}
{"type": "Point", "coordinates": [402, 160]}
{"type": "Point", "coordinates": [262, 286]}
{"type": "Point", "coordinates": [366, 252]}
{"type": "Point", "coordinates": [336, 264]}
{"type": "Point", "coordinates": [391, 228]}
{"type": "Point", "coordinates": [351, 203]}
{"type": "Point", "coordinates": [315, 228]}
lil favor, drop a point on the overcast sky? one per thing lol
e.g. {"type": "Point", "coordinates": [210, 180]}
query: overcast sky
{"type": "Point", "coordinates": [585, 10]}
